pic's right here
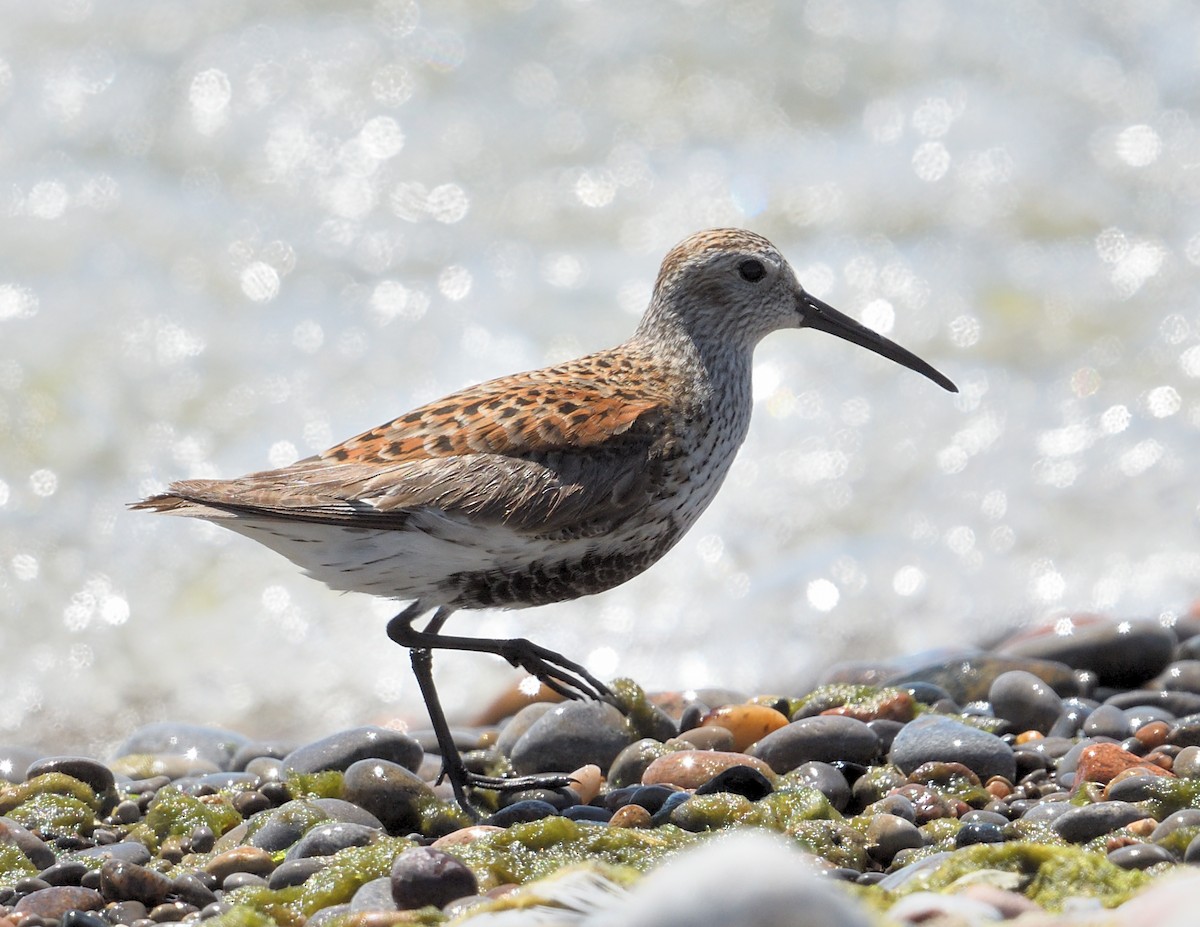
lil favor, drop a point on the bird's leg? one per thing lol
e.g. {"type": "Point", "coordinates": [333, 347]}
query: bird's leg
{"type": "Point", "coordinates": [566, 677]}
{"type": "Point", "coordinates": [421, 645]}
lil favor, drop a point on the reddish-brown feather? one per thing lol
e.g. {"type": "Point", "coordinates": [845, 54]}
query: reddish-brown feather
{"type": "Point", "coordinates": [514, 416]}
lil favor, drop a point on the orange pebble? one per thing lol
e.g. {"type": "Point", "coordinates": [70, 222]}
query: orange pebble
{"type": "Point", "coordinates": [1101, 762]}
{"type": "Point", "coordinates": [1153, 734]}
{"type": "Point", "coordinates": [747, 723]}
{"type": "Point", "coordinates": [630, 816]}
{"type": "Point", "coordinates": [690, 769]}
{"type": "Point", "coordinates": [1026, 736]}
{"type": "Point", "coordinates": [465, 835]}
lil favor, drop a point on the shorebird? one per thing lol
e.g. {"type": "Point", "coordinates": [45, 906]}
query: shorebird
{"type": "Point", "coordinates": [542, 486]}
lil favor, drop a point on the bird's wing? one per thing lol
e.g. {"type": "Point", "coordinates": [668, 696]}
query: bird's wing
{"type": "Point", "coordinates": [546, 453]}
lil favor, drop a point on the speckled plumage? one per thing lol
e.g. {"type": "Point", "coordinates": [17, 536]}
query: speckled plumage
{"type": "Point", "coordinates": [547, 485]}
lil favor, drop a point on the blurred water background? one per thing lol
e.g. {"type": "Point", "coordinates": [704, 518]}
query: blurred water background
{"type": "Point", "coordinates": [233, 233]}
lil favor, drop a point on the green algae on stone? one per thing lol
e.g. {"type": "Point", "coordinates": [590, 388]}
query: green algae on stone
{"type": "Point", "coordinates": [800, 812]}
{"type": "Point", "coordinates": [302, 814]}
{"type": "Point", "coordinates": [645, 719]}
{"type": "Point", "coordinates": [876, 783]}
{"type": "Point", "coordinates": [1049, 875]}
{"type": "Point", "coordinates": [173, 813]}
{"type": "Point", "coordinates": [834, 841]}
{"type": "Point", "coordinates": [240, 915]}
{"type": "Point", "coordinates": [14, 865]}
{"type": "Point", "coordinates": [858, 699]}
{"type": "Point", "coordinates": [1169, 795]}
{"type": "Point", "coordinates": [324, 784]}
{"type": "Point", "coordinates": [1177, 841]}
{"type": "Point", "coordinates": [940, 833]}
{"type": "Point", "coordinates": [711, 812]}
{"type": "Point", "coordinates": [49, 814]}
{"type": "Point", "coordinates": [54, 783]}
{"type": "Point", "coordinates": [348, 870]}
{"type": "Point", "coordinates": [533, 850]}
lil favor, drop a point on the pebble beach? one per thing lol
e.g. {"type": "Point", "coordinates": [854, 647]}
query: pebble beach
{"type": "Point", "coordinates": [1051, 779]}
{"type": "Point", "coordinates": [231, 233]}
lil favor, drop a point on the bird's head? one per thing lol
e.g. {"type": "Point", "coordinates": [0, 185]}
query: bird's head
{"type": "Point", "coordinates": [731, 287]}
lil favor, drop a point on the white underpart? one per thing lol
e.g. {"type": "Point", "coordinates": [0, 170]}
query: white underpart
{"type": "Point", "coordinates": [403, 564]}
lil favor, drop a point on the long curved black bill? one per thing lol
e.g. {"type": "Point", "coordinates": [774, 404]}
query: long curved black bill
{"type": "Point", "coordinates": [824, 318]}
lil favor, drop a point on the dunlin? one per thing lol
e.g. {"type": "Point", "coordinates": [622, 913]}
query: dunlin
{"type": "Point", "coordinates": [542, 486]}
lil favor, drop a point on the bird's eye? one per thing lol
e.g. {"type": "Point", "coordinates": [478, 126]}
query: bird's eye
{"type": "Point", "coordinates": [752, 270]}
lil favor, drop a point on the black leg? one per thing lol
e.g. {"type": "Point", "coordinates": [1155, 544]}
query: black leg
{"type": "Point", "coordinates": [421, 645]}
{"type": "Point", "coordinates": [566, 677]}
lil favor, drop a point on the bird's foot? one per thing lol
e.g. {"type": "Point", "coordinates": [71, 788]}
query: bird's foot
{"type": "Point", "coordinates": [463, 779]}
{"type": "Point", "coordinates": [566, 677]}
{"type": "Point", "coordinates": [553, 781]}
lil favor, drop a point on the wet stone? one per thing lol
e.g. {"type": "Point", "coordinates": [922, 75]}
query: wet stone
{"type": "Point", "coordinates": [341, 750]}
{"type": "Point", "coordinates": [375, 895]}
{"type": "Point", "coordinates": [887, 835]}
{"type": "Point", "coordinates": [1187, 763]}
{"type": "Point", "coordinates": [171, 911]}
{"type": "Point", "coordinates": [1175, 704]}
{"type": "Point", "coordinates": [632, 762]}
{"type": "Point", "coordinates": [327, 916]}
{"type": "Point", "coordinates": [572, 735]}
{"type": "Point", "coordinates": [389, 792]}
{"type": "Point", "coordinates": [125, 881]}
{"type": "Point", "coordinates": [256, 749]}
{"type": "Point", "coordinates": [284, 825]}
{"type": "Point", "coordinates": [1140, 856]}
{"type": "Point", "coordinates": [250, 803]}
{"type": "Point", "coordinates": [1192, 853]}
{"type": "Point", "coordinates": [1185, 817]}
{"type": "Point", "coordinates": [518, 724]}
{"type": "Point", "coordinates": [295, 872]}
{"type": "Point", "coordinates": [931, 738]}
{"type": "Point", "coordinates": [29, 843]}
{"type": "Point", "coordinates": [1185, 732]}
{"type": "Point", "coordinates": [1139, 786]}
{"type": "Point", "coordinates": [826, 779]}
{"type": "Point", "coordinates": [1025, 701]}
{"type": "Point", "coordinates": [1075, 712]}
{"type": "Point", "coordinates": [347, 812]}
{"type": "Point", "coordinates": [126, 912]}
{"type": "Point", "coordinates": [54, 901]}
{"type": "Point", "coordinates": [327, 839]}
{"type": "Point", "coordinates": [1121, 653]}
{"type": "Point", "coordinates": [425, 876]}
{"type": "Point", "coordinates": [86, 770]}
{"type": "Point", "coordinates": [690, 769]}
{"type": "Point", "coordinates": [886, 730]}
{"type": "Point", "coordinates": [747, 724]}
{"type": "Point", "coordinates": [588, 814]}
{"type": "Point", "coordinates": [1107, 721]}
{"type": "Point", "coordinates": [710, 737]}
{"type": "Point", "coordinates": [191, 889]}
{"type": "Point", "coordinates": [895, 804]}
{"type": "Point", "coordinates": [67, 872]}
{"type": "Point", "coordinates": [1181, 675]}
{"type": "Point", "coordinates": [237, 880]}
{"type": "Point", "coordinates": [560, 799]}
{"type": "Point", "coordinates": [240, 859]}
{"type": "Point", "coordinates": [738, 780]}
{"type": "Point", "coordinates": [521, 812]}
{"type": "Point", "coordinates": [967, 677]}
{"type": "Point", "coordinates": [78, 918]}
{"type": "Point", "coordinates": [166, 737]}
{"type": "Point", "coordinates": [974, 832]}
{"type": "Point", "coordinates": [824, 738]}
{"type": "Point", "coordinates": [1079, 825]}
